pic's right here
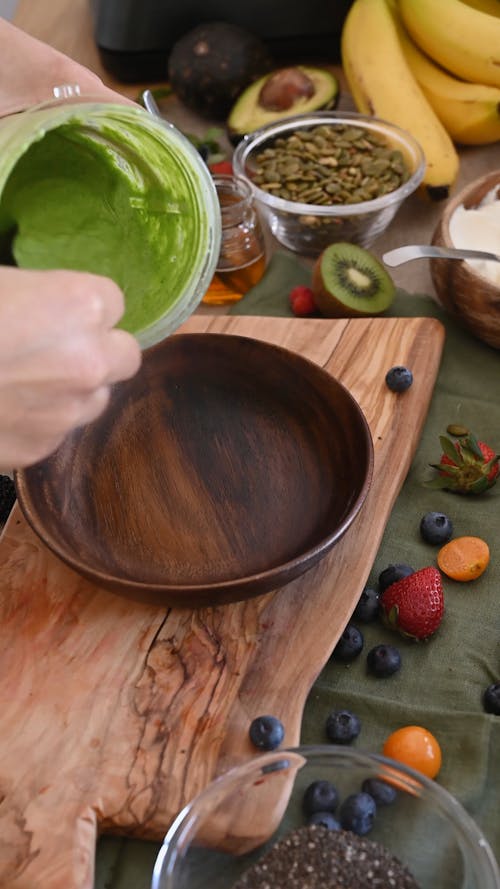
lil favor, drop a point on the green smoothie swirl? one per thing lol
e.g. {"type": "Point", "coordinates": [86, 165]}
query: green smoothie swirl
{"type": "Point", "coordinates": [111, 190]}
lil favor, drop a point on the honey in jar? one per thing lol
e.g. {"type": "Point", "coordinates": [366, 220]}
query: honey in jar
{"type": "Point", "coordinates": [242, 259]}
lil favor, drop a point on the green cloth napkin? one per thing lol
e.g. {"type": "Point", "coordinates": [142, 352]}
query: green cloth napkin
{"type": "Point", "coordinates": [270, 295]}
{"type": "Point", "coordinates": [441, 682]}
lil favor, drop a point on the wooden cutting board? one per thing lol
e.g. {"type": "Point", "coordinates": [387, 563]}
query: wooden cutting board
{"type": "Point", "coordinates": [114, 713]}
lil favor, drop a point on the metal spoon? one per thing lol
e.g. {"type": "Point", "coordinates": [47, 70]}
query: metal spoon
{"type": "Point", "coordinates": [425, 251]}
{"type": "Point", "coordinates": [150, 103]}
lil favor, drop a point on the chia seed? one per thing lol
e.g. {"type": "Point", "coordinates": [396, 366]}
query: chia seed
{"type": "Point", "coordinates": [313, 857]}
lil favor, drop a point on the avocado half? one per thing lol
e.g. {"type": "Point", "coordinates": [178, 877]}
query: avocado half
{"type": "Point", "coordinates": [249, 113]}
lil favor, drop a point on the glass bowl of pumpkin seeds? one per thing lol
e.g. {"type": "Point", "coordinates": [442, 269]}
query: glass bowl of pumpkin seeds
{"type": "Point", "coordinates": [329, 176]}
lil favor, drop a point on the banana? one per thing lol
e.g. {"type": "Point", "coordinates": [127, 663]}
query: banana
{"type": "Point", "coordinates": [382, 84]}
{"type": "Point", "coordinates": [469, 111]}
{"type": "Point", "coordinates": [491, 7]}
{"type": "Point", "coordinates": [463, 40]}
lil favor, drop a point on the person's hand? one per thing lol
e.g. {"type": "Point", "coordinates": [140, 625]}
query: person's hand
{"type": "Point", "coordinates": [59, 355]}
{"type": "Point", "coordinates": [30, 70]}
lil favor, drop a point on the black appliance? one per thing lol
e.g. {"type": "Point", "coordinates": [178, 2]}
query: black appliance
{"type": "Point", "coordinates": [134, 37]}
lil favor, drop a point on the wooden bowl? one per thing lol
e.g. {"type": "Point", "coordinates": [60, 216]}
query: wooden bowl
{"type": "Point", "coordinates": [224, 469]}
{"type": "Point", "coordinates": [471, 298]}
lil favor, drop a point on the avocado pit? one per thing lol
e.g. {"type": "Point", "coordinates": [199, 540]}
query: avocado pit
{"type": "Point", "coordinates": [282, 89]}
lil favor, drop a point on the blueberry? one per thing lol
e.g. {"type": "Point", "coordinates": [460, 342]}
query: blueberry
{"type": "Point", "coordinates": [436, 527]}
{"type": "Point", "coordinates": [393, 573]}
{"type": "Point", "coordinates": [357, 813]}
{"type": "Point", "coordinates": [491, 698]}
{"type": "Point", "coordinates": [349, 645]}
{"type": "Point", "coordinates": [383, 793]}
{"type": "Point", "coordinates": [320, 796]}
{"type": "Point", "coordinates": [266, 732]}
{"type": "Point", "coordinates": [325, 819]}
{"type": "Point", "coordinates": [342, 726]}
{"type": "Point", "coordinates": [367, 608]}
{"type": "Point", "coordinates": [383, 660]}
{"type": "Point", "coordinates": [399, 379]}
{"type": "Point", "coordinates": [204, 150]}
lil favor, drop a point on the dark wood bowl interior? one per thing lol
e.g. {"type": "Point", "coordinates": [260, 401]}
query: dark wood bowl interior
{"type": "Point", "coordinates": [470, 297]}
{"type": "Point", "coordinates": [224, 469]}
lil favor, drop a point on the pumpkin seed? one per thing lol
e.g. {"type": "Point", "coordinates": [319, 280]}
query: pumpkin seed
{"type": "Point", "coordinates": [457, 430]}
{"type": "Point", "coordinates": [330, 164]}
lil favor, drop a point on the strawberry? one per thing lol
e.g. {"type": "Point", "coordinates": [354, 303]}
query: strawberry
{"type": "Point", "coordinates": [414, 605]}
{"type": "Point", "coordinates": [302, 301]}
{"type": "Point", "coordinates": [467, 466]}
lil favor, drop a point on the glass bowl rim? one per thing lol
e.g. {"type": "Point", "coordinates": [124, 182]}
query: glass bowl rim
{"type": "Point", "coordinates": [257, 138]}
{"type": "Point", "coordinates": [468, 832]}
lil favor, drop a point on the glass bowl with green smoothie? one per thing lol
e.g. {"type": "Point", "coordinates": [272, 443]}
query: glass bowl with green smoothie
{"type": "Point", "coordinates": [111, 189]}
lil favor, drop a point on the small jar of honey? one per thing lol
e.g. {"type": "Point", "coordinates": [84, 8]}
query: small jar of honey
{"type": "Point", "coordinates": [242, 260]}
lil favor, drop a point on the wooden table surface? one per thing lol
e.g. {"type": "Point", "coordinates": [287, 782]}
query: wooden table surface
{"type": "Point", "coordinates": [67, 25]}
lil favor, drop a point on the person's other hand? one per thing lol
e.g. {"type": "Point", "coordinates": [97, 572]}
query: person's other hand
{"type": "Point", "coordinates": [31, 69]}
{"type": "Point", "coordinates": [59, 355]}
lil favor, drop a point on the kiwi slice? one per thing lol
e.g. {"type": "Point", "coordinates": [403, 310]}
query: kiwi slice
{"type": "Point", "coordinates": [348, 281]}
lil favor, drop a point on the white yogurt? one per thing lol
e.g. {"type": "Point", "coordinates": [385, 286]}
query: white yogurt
{"type": "Point", "coordinates": [478, 228]}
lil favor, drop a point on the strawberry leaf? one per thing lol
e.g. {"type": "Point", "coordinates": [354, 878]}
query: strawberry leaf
{"type": "Point", "coordinates": [441, 483]}
{"type": "Point", "coordinates": [450, 450]}
{"type": "Point", "coordinates": [472, 445]}
{"type": "Point", "coordinates": [446, 469]}
{"type": "Point", "coordinates": [481, 485]}
{"type": "Point", "coordinates": [489, 465]}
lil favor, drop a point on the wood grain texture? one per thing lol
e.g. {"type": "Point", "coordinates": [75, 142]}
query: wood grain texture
{"type": "Point", "coordinates": [114, 713]}
{"type": "Point", "coordinates": [223, 469]}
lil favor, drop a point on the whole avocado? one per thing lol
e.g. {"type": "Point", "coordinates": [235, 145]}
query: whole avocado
{"type": "Point", "coordinates": [213, 63]}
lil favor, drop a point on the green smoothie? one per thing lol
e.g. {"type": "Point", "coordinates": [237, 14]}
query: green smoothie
{"type": "Point", "coordinates": [111, 190]}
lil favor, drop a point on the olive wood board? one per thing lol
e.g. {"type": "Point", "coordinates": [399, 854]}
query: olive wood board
{"type": "Point", "coordinates": [115, 713]}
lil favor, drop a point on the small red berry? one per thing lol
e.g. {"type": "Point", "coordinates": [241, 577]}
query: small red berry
{"type": "Point", "coordinates": [224, 167]}
{"type": "Point", "coordinates": [414, 605]}
{"type": "Point", "coordinates": [302, 301]}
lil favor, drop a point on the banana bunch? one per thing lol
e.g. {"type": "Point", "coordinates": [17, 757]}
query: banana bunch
{"type": "Point", "coordinates": [457, 36]}
{"type": "Point", "coordinates": [431, 67]}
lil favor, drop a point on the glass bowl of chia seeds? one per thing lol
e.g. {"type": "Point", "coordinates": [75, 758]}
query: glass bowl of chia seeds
{"type": "Point", "coordinates": [324, 817]}
{"type": "Point", "coordinates": [329, 176]}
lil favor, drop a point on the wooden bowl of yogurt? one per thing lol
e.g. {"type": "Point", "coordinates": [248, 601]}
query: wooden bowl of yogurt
{"type": "Point", "coordinates": [470, 289]}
